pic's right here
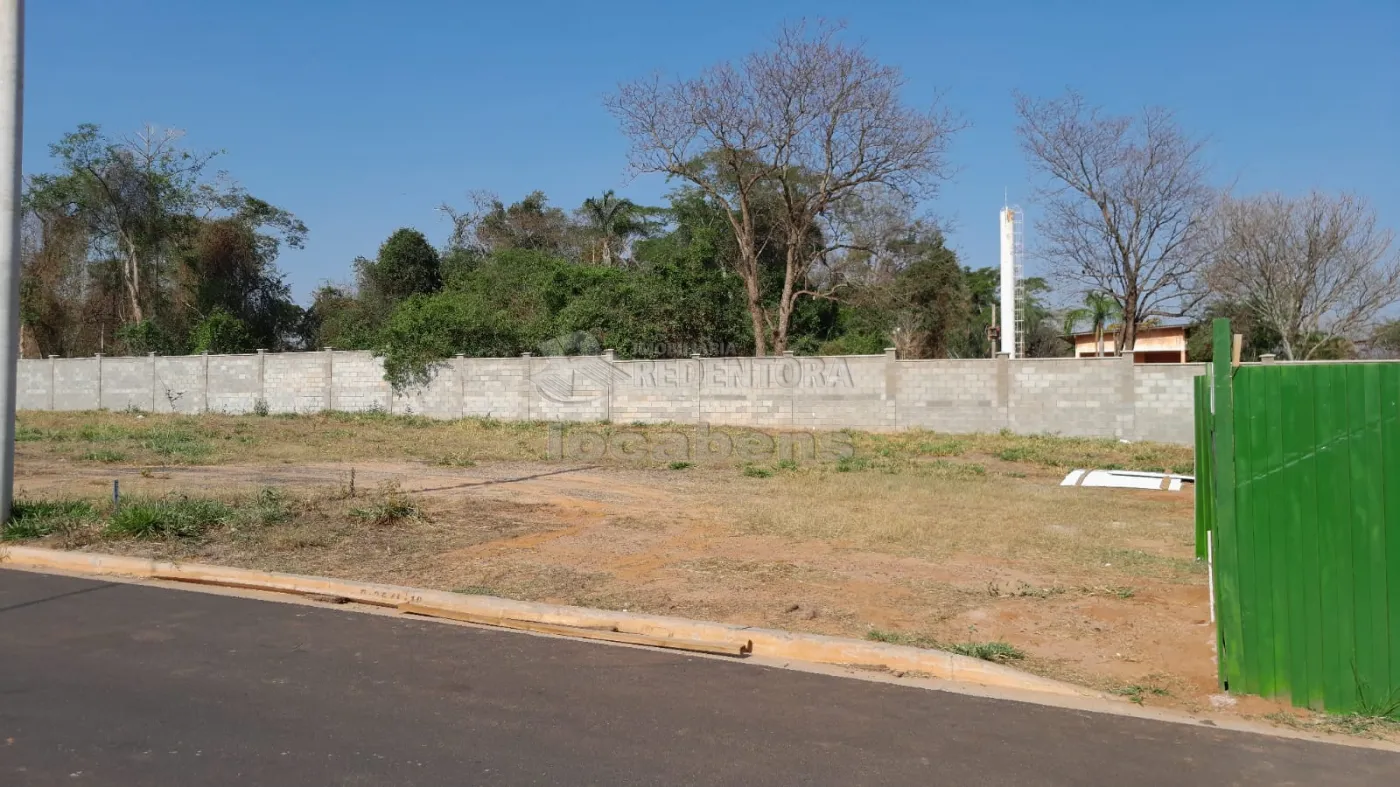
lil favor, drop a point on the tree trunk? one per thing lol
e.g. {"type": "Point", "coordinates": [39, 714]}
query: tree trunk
{"type": "Point", "coordinates": [133, 283]}
{"type": "Point", "coordinates": [1129, 329]}
{"type": "Point", "coordinates": [785, 301]}
{"type": "Point", "coordinates": [755, 304]}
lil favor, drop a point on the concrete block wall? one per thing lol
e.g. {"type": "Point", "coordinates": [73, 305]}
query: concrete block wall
{"type": "Point", "coordinates": [953, 396]}
{"type": "Point", "coordinates": [1091, 396]}
{"type": "Point", "coordinates": [235, 383]}
{"type": "Point", "coordinates": [1074, 397]}
{"type": "Point", "coordinates": [1165, 392]}
{"type": "Point", "coordinates": [128, 383]}
{"type": "Point", "coordinates": [180, 384]}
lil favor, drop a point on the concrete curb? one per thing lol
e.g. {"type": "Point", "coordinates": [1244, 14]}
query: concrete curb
{"type": "Point", "coordinates": [770, 643]}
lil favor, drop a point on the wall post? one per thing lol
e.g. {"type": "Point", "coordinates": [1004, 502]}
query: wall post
{"type": "Point", "coordinates": [529, 381]}
{"type": "Point", "coordinates": [52, 377]}
{"type": "Point", "coordinates": [152, 356]}
{"type": "Point", "coordinates": [459, 370]}
{"type": "Point", "coordinates": [610, 358]}
{"type": "Point", "coordinates": [262, 378]}
{"type": "Point", "coordinates": [328, 396]}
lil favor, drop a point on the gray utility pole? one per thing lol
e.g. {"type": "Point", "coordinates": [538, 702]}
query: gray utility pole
{"type": "Point", "coordinates": [11, 138]}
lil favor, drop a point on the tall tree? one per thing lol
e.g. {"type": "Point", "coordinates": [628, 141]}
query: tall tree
{"type": "Point", "coordinates": [611, 223]}
{"type": "Point", "coordinates": [138, 243]}
{"type": "Point", "coordinates": [137, 196]}
{"type": "Point", "coordinates": [1125, 204]}
{"type": "Point", "coordinates": [1314, 269]}
{"type": "Point", "coordinates": [804, 130]}
{"type": "Point", "coordinates": [406, 265]}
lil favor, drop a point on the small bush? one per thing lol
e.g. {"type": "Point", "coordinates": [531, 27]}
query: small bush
{"type": "Point", "coordinates": [679, 465]}
{"type": "Point", "coordinates": [456, 460]}
{"type": "Point", "coordinates": [175, 517]}
{"type": "Point", "coordinates": [261, 408]}
{"type": "Point", "coordinates": [390, 507]}
{"type": "Point", "coordinates": [757, 472]}
{"type": "Point", "coordinates": [787, 464]}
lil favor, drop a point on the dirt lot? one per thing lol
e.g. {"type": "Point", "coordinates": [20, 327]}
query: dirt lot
{"type": "Point", "coordinates": [916, 537]}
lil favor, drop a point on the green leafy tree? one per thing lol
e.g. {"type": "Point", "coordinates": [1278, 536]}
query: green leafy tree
{"type": "Point", "coordinates": [138, 198]}
{"type": "Point", "coordinates": [610, 223]}
{"type": "Point", "coordinates": [1099, 312]}
{"type": "Point", "coordinates": [147, 336]}
{"type": "Point", "coordinates": [222, 333]}
{"type": "Point", "coordinates": [406, 265]}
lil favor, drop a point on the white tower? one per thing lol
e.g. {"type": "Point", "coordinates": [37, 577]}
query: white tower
{"type": "Point", "coordinates": [1009, 262]}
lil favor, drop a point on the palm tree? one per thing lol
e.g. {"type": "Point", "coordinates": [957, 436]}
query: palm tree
{"type": "Point", "coordinates": [613, 221]}
{"type": "Point", "coordinates": [1100, 310]}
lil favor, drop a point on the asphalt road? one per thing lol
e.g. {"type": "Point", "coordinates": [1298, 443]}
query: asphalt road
{"type": "Point", "coordinates": [105, 683]}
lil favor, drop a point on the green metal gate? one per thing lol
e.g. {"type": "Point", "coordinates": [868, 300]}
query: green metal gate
{"type": "Point", "coordinates": [1298, 497]}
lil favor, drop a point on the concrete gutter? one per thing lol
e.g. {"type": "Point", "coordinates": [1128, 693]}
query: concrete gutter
{"type": "Point", "coordinates": [770, 643]}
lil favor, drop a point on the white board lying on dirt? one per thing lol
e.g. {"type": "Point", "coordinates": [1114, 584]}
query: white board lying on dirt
{"type": "Point", "coordinates": [1126, 479]}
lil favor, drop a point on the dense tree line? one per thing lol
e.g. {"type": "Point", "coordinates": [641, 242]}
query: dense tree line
{"type": "Point", "coordinates": [794, 225]}
{"type": "Point", "coordinates": [644, 281]}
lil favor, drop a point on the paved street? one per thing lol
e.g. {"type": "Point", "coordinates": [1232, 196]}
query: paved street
{"type": "Point", "coordinates": [104, 683]}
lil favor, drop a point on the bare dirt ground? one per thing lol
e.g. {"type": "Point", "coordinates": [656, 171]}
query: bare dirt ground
{"type": "Point", "coordinates": [1096, 586]}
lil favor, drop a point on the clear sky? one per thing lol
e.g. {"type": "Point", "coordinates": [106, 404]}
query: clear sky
{"type": "Point", "coordinates": [361, 117]}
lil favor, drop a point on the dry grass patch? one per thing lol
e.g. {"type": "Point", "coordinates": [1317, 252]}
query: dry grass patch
{"type": "Point", "coordinates": [1046, 528]}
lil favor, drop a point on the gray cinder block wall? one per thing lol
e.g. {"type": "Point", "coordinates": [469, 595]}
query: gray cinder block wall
{"type": "Point", "coordinates": [1091, 397]}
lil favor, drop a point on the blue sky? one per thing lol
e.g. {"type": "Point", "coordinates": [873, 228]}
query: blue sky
{"type": "Point", "coordinates": [361, 117]}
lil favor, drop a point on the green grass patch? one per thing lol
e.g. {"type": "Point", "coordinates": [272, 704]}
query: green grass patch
{"type": "Point", "coordinates": [999, 652]}
{"type": "Point", "coordinates": [1137, 693]}
{"type": "Point", "coordinates": [943, 448]}
{"type": "Point", "coordinates": [753, 471]}
{"type": "Point", "coordinates": [679, 465]}
{"type": "Point", "coordinates": [103, 455]}
{"type": "Point", "coordinates": [39, 518]}
{"type": "Point", "coordinates": [896, 638]}
{"type": "Point", "coordinates": [169, 517]}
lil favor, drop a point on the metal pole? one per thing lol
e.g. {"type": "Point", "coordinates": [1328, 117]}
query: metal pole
{"type": "Point", "coordinates": [11, 127]}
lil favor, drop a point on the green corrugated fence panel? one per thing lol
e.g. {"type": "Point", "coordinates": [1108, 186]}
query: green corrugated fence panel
{"type": "Point", "coordinates": [1390, 449]}
{"type": "Point", "coordinates": [1205, 505]}
{"type": "Point", "coordinates": [1308, 566]}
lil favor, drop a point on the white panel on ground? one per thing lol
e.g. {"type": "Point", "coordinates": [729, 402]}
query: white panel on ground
{"type": "Point", "coordinates": [1073, 478]}
{"type": "Point", "coordinates": [1126, 479]}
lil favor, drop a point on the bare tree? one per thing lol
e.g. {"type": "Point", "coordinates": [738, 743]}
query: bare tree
{"type": "Point", "coordinates": [790, 139]}
{"type": "Point", "coordinates": [1315, 269]}
{"type": "Point", "coordinates": [1125, 204]}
